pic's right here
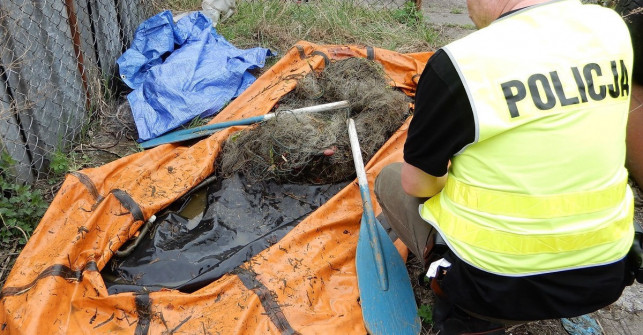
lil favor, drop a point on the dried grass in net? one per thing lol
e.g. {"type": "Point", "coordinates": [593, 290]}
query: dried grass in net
{"type": "Point", "coordinates": [314, 147]}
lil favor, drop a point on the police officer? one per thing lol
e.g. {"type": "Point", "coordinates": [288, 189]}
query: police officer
{"type": "Point", "coordinates": [528, 114]}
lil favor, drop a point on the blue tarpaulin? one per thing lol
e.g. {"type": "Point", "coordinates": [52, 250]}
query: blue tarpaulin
{"type": "Point", "coordinates": [183, 70]}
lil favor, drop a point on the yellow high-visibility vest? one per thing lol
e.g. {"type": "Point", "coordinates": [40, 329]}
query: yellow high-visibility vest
{"type": "Point", "coordinates": [543, 187]}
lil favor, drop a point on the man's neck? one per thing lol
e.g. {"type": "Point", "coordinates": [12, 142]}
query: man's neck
{"type": "Point", "coordinates": [518, 4]}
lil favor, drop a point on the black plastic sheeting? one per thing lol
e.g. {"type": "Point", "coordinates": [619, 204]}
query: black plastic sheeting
{"type": "Point", "coordinates": [239, 221]}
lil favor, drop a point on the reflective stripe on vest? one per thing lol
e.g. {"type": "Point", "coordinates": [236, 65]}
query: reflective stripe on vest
{"type": "Point", "coordinates": [526, 253]}
{"type": "Point", "coordinates": [543, 187]}
{"type": "Point", "coordinates": [493, 239]}
{"type": "Point", "coordinates": [532, 206]}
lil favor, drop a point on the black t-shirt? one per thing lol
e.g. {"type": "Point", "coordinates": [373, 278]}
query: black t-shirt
{"type": "Point", "coordinates": [442, 125]}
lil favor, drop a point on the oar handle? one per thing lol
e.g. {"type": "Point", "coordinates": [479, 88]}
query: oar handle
{"type": "Point", "coordinates": [369, 215]}
{"type": "Point", "coordinates": [357, 157]}
{"type": "Point", "coordinates": [202, 131]}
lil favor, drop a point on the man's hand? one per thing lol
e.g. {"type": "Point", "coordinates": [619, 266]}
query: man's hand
{"type": "Point", "coordinates": [420, 184]}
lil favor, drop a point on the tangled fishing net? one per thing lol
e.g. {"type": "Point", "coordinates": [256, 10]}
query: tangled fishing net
{"type": "Point", "coordinates": [314, 147]}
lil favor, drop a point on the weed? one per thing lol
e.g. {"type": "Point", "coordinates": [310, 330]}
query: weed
{"type": "Point", "coordinates": [59, 164]}
{"type": "Point", "coordinates": [426, 314]}
{"type": "Point", "coordinates": [107, 88]}
{"type": "Point", "coordinates": [197, 121]}
{"type": "Point", "coordinates": [21, 207]}
{"type": "Point", "coordinates": [408, 13]}
{"type": "Point", "coordinates": [6, 164]}
{"type": "Point", "coordinates": [456, 11]}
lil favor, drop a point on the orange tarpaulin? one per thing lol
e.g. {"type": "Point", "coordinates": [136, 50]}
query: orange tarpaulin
{"type": "Point", "coordinates": [305, 283]}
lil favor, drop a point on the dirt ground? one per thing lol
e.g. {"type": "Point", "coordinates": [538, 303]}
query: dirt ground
{"type": "Point", "coordinates": [449, 17]}
{"type": "Point", "coordinates": [624, 317]}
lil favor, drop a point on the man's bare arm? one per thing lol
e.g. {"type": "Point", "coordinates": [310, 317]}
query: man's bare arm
{"type": "Point", "coordinates": [420, 184]}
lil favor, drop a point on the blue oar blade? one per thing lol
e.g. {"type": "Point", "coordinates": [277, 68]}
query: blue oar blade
{"type": "Point", "coordinates": [391, 311]}
{"type": "Point", "coordinates": [369, 217]}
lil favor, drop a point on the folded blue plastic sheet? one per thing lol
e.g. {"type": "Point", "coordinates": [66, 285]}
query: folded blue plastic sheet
{"type": "Point", "coordinates": [183, 70]}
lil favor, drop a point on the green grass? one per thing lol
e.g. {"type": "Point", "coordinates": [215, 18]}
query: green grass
{"type": "Point", "coordinates": [21, 207]}
{"type": "Point", "coordinates": [278, 25]}
{"type": "Point", "coordinates": [197, 121]}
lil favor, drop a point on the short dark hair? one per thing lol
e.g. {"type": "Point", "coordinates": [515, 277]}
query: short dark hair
{"type": "Point", "coordinates": [632, 13]}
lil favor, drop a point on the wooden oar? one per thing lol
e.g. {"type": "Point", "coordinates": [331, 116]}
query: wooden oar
{"type": "Point", "coordinates": [386, 295]}
{"type": "Point", "coordinates": [197, 132]}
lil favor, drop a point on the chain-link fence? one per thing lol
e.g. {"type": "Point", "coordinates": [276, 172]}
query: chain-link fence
{"type": "Point", "coordinates": [56, 57]}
